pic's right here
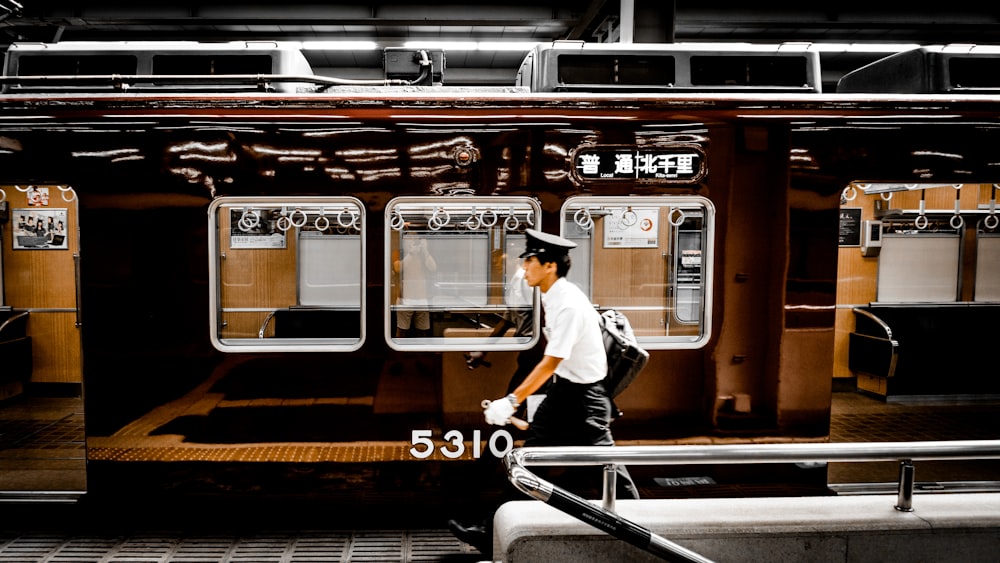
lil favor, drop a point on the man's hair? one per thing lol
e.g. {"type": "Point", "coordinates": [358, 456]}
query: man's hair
{"type": "Point", "coordinates": [562, 263]}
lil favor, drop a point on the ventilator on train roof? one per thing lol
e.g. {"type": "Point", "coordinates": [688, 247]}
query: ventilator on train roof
{"type": "Point", "coordinates": [953, 69]}
{"type": "Point", "coordinates": [187, 66]}
{"type": "Point", "coordinates": [94, 66]}
{"type": "Point", "coordinates": [572, 66]}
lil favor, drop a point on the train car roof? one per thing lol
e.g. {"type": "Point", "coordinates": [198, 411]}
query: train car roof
{"type": "Point", "coordinates": [580, 70]}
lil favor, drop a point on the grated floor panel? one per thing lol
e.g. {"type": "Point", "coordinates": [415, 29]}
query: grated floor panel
{"type": "Point", "coordinates": [278, 547]}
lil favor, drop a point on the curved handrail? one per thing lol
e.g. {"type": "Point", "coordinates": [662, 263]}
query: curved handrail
{"type": "Point", "coordinates": [885, 326]}
{"type": "Point", "coordinates": [263, 325]}
{"type": "Point", "coordinates": [8, 323]}
{"type": "Point", "coordinates": [604, 517]}
{"type": "Point", "coordinates": [894, 357]}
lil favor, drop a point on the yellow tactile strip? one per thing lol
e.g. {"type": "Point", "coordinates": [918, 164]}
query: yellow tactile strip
{"type": "Point", "coordinates": [345, 453]}
{"type": "Point", "coordinates": [110, 449]}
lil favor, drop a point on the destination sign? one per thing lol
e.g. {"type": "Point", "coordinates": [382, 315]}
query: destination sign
{"type": "Point", "coordinates": [659, 164]}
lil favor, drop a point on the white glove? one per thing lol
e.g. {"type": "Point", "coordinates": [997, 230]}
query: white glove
{"type": "Point", "coordinates": [473, 359]}
{"type": "Point", "coordinates": [498, 412]}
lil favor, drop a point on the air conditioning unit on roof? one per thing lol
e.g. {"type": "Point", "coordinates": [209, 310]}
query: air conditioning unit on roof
{"type": "Point", "coordinates": [966, 69]}
{"type": "Point", "coordinates": [670, 67]}
{"type": "Point", "coordinates": [97, 66]}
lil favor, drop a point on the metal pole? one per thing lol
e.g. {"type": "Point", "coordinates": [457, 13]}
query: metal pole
{"type": "Point", "coordinates": [904, 500]}
{"type": "Point", "coordinates": [610, 482]}
{"type": "Point", "coordinates": [626, 29]}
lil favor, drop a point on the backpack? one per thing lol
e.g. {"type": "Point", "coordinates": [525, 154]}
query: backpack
{"type": "Point", "coordinates": [625, 357]}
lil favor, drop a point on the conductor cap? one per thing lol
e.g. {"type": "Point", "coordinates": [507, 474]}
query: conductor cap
{"type": "Point", "coordinates": [545, 245]}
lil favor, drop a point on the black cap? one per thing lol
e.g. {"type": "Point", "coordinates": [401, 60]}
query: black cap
{"type": "Point", "coordinates": [545, 245]}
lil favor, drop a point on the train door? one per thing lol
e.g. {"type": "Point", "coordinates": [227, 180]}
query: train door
{"type": "Point", "coordinates": [41, 411]}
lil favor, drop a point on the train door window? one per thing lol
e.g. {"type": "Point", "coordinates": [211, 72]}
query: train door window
{"type": "Point", "coordinates": [454, 278]}
{"type": "Point", "coordinates": [987, 262]}
{"type": "Point", "coordinates": [287, 274]}
{"type": "Point", "coordinates": [649, 258]}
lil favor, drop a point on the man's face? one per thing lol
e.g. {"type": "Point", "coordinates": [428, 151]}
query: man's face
{"type": "Point", "coordinates": [535, 271]}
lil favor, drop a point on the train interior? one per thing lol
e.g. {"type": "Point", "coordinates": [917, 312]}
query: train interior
{"type": "Point", "coordinates": [274, 388]}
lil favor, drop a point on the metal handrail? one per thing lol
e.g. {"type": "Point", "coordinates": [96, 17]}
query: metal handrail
{"type": "Point", "coordinates": [885, 326]}
{"type": "Point", "coordinates": [10, 321]}
{"type": "Point", "coordinates": [888, 336]}
{"type": "Point", "coordinates": [604, 518]}
{"type": "Point", "coordinates": [263, 325]}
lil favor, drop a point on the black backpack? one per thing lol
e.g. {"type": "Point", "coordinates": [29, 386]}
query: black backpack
{"type": "Point", "coordinates": [625, 357]}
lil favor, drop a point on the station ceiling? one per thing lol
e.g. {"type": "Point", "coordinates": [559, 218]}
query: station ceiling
{"type": "Point", "coordinates": [493, 34]}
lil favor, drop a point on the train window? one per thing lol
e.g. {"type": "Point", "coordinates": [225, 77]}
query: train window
{"type": "Point", "coordinates": [287, 274]}
{"type": "Point", "coordinates": [648, 257]}
{"type": "Point", "coordinates": [76, 65]}
{"type": "Point", "coordinates": [454, 279]}
{"type": "Point", "coordinates": [748, 71]}
{"type": "Point", "coordinates": [212, 65]}
{"type": "Point", "coordinates": [638, 70]}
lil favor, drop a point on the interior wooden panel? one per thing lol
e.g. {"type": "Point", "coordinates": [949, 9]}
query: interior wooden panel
{"type": "Point", "coordinates": [841, 342]}
{"type": "Point", "coordinates": [241, 324]}
{"type": "Point", "coordinates": [856, 277]}
{"type": "Point", "coordinates": [637, 276]}
{"type": "Point", "coordinates": [43, 278]}
{"type": "Point", "coordinates": [987, 192]}
{"type": "Point", "coordinates": [270, 273]}
{"type": "Point", "coordinates": [254, 278]}
{"type": "Point", "coordinates": [856, 283]}
{"type": "Point", "coordinates": [55, 347]}
{"type": "Point", "coordinates": [936, 198]}
{"type": "Point", "coordinates": [43, 281]}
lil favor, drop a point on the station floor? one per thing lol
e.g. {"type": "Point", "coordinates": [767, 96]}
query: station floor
{"type": "Point", "coordinates": [42, 451]}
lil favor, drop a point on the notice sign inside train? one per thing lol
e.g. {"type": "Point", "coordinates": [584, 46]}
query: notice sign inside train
{"type": "Point", "coordinates": [631, 228]}
{"type": "Point", "coordinates": [659, 164]}
{"type": "Point", "coordinates": [850, 226]}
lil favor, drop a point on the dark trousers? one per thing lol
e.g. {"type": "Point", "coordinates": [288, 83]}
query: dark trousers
{"type": "Point", "coordinates": [575, 414]}
{"type": "Point", "coordinates": [572, 414]}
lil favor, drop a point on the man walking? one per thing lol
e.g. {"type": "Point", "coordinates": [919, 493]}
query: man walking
{"type": "Point", "coordinates": [576, 410]}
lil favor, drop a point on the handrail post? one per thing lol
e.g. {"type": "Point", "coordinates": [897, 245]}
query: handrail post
{"type": "Point", "coordinates": [904, 500]}
{"type": "Point", "coordinates": [607, 520]}
{"type": "Point", "coordinates": [610, 482]}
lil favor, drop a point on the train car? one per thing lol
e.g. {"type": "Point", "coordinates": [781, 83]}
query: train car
{"type": "Point", "coordinates": [267, 284]}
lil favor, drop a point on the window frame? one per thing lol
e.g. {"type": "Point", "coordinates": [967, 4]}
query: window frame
{"type": "Point", "coordinates": [338, 212]}
{"type": "Point", "coordinates": [570, 228]}
{"type": "Point", "coordinates": [454, 206]}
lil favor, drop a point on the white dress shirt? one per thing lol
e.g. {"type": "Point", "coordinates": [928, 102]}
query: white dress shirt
{"type": "Point", "coordinates": [573, 333]}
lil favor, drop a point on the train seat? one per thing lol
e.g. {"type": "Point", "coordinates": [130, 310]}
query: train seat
{"type": "Point", "coordinates": [15, 353]}
{"type": "Point", "coordinates": [919, 349]}
{"type": "Point", "coordinates": [314, 322]}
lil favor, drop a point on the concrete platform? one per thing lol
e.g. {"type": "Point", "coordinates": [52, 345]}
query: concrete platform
{"type": "Point", "coordinates": [942, 527]}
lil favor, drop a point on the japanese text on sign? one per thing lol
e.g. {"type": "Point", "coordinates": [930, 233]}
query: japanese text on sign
{"type": "Point", "coordinates": [620, 164]}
